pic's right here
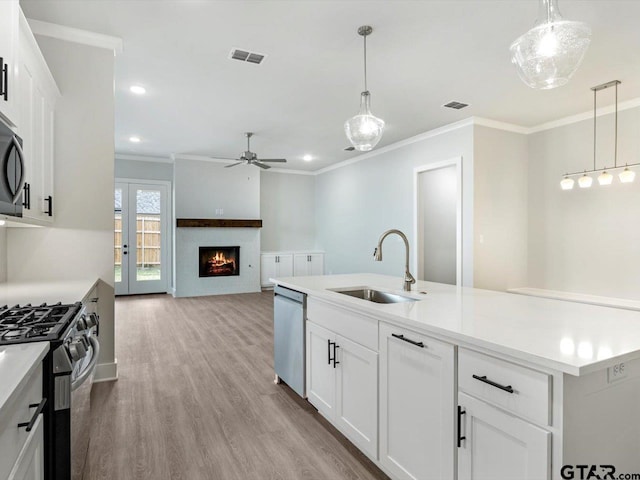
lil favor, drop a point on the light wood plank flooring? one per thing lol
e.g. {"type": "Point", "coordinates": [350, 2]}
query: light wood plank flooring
{"type": "Point", "coordinates": [196, 400]}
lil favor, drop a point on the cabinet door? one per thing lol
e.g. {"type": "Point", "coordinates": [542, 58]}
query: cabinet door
{"type": "Point", "coordinates": [321, 376]}
{"type": "Point", "coordinates": [300, 265]}
{"type": "Point", "coordinates": [284, 265]}
{"type": "Point", "coordinates": [357, 394]}
{"type": "Point", "coordinates": [30, 463]}
{"type": "Point", "coordinates": [9, 14]}
{"type": "Point", "coordinates": [499, 446]}
{"type": "Point", "coordinates": [416, 405]}
{"type": "Point", "coordinates": [267, 269]}
{"type": "Point", "coordinates": [316, 264]}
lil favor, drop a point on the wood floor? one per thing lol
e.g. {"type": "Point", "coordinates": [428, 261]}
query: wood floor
{"type": "Point", "coordinates": [196, 400]}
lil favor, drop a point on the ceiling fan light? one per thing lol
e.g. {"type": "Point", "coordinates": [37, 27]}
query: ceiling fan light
{"type": "Point", "coordinates": [627, 176]}
{"type": "Point", "coordinates": [549, 54]}
{"type": "Point", "coordinates": [567, 183]}
{"type": "Point", "coordinates": [605, 178]}
{"type": "Point", "coordinates": [585, 181]}
{"type": "Point", "coordinates": [364, 130]}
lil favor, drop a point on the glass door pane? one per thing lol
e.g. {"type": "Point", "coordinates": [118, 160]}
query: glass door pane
{"type": "Point", "coordinates": [148, 235]}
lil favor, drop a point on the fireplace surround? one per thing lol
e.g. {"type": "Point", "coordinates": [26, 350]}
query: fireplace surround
{"type": "Point", "coordinates": [219, 261]}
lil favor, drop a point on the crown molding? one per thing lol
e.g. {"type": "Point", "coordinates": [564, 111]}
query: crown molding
{"type": "Point", "coordinates": [290, 171]}
{"type": "Point", "coordinates": [143, 158]}
{"type": "Point", "coordinates": [76, 35]}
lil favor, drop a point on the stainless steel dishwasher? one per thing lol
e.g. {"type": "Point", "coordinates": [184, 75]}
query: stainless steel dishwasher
{"type": "Point", "coordinates": [289, 315]}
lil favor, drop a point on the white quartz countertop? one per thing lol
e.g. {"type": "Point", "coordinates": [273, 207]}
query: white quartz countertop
{"type": "Point", "coordinates": [569, 337]}
{"type": "Point", "coordinates": [12, 293]}
{"type": "Point", "coordinates": [17, 362]}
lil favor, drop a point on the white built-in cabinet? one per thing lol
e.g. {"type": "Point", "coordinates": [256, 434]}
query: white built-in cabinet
{"type": "Point", "coordinates": [9, 10]}
{"type": "Point", "coordinates": [417, 398]}
{"type": "Point", "coordinates": [21, 433]}
{"type": "Point", "coordinates": [38, 94]}
{"type": "Point", "coordinates": [289, 264]}
{"type": "Point", "coordinates": [342, 375]}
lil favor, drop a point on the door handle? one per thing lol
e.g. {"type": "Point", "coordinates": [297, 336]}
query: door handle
{"type": "Point", "coordinates": [32, 422]}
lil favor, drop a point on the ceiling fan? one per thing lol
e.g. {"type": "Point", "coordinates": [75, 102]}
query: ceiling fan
{"type": "Point", "coordinates": [251, 158]}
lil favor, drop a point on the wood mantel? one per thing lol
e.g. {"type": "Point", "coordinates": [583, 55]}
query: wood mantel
{"type": "Point", "coordinates": [217, 223]}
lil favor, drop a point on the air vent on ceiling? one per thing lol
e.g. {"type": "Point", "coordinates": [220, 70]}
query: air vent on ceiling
{"type": "Point", "coordinates": [456, 105]}
{"type": "Point", "coordinates": [245, 56]}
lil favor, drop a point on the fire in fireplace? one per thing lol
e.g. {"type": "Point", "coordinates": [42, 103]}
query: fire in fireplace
{"type": "Point", "coordinates": [219, 261]}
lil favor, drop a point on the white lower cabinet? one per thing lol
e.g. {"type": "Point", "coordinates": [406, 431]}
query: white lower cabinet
{"type": "Point", "coordinates": [305, 264]}
{"type": "Point", "coordinates": [500, 446]}
{"type": "Point", "coordinates": [342, 383]}
{"type": "Point", "coordinates": [417, 397]}
{"type": "Point", "coordinates": [30, 463]}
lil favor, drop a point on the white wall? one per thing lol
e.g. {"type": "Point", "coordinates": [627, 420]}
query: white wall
{"type": "Point", "coordinates": [585, 241]}
{"type": "Point", "coordinates": [80, 244]}
{"type": "Point", "coordinates": [355, 204]}
{"type": "Point", "coordinates": [200, 189]}
{"type": "Point", "coordinates": [500, 209]}
{"type": "Point", "coordinates": [287, 206]}
{"type": "Point", "coordinates": [143, 170]}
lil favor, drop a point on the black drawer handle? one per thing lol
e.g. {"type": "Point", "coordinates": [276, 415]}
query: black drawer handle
{"type": "Point", "coordinates": [32, 422]}
{"type": "Point", "coordinates": [460, 437]}
{"type": "Point", "coordinates": [49, 210]}
{"type": "Point", "coordinates": [4, 84]}
{"type": "Point", "coordinates": [404, 339]}
{"type": "Point", "coordinates": [484, 379]}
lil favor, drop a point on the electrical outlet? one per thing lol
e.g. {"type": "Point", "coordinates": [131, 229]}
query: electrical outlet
{"type": "Point", "coordinates": [617, 372]}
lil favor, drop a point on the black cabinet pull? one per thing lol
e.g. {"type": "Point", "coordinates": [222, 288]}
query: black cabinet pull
{"type": "Point", "coordinates": [460, 437]}
{"type": "Point", "coordinates": [4, 85]}
{"type": "Point", "coordinates": [27, 196]}
{"type": "Point", "coordinates": [328, 352]}
{"type": "Point", "coordinates": [404, 339]}
{"type": "Point", "coordinates": [32, 422]}
{"type": "Point", "coordinates": [484, 379]}
{"type": "Point", "coordinates": [335, 362]}
{"type": "Point", "coordinates": [49, 210]}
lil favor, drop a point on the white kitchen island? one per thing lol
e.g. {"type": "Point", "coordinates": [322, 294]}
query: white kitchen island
{"type": "Point", "coordinates": [467, 383]}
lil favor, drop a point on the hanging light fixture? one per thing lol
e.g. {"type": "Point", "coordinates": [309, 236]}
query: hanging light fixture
{"type": "Point", "coordinates": [549, 54]}
{"type": "Point", "coordinates": [364, 130]}
{"type": "Point", "coordinates": [605, 177]}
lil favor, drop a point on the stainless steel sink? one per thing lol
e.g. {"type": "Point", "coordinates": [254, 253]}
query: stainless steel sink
{"type": "Point", "coordinates": [376, 296]}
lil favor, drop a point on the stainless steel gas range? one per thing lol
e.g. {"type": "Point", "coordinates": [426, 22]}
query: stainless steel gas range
{"type": "Point", "coordinates": [67, 376]}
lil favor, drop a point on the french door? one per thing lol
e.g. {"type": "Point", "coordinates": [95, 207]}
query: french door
{"type": "Point", "coordinates": [140, 238]}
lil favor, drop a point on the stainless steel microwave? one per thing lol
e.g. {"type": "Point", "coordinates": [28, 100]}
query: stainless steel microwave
{"type": "Point", "coordinates": [12, 175]}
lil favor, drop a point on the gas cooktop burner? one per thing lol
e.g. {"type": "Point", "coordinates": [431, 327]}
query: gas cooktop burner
{"type": "Point", "coordinates": [35, 323]}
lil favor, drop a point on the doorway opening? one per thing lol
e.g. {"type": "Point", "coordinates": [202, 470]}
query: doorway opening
{"type": "Point", "coordinates": [438, 221]}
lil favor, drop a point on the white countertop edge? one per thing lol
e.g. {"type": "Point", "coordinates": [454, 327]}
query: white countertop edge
{"type": "Point", "coordinates": [578, 297]}
{"type": "Point", "coordinates": [37, 354]}
{"type": "Point", "coordinates": [460, 339]}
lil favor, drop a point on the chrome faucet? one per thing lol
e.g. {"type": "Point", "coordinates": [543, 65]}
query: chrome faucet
{"type": "Point", "coordinates": [377, 254]}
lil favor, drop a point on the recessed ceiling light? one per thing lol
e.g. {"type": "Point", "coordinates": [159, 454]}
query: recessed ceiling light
{"type": "Point", "coordinates": [138, 90]}
{"type": "Point", "coordinates": [307, 158]}
{"type": "Point", "coordinates": [134, 139]}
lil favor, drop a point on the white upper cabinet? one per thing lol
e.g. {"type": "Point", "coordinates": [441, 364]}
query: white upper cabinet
{"type": "Point", "coordinates": [305, 264]}
{"type": "Point", "coordinates": [9, 66]}
{"type": "Point", "coordinates": [38, 94]}
{"type": "Point", "coordinates": [275, 265]}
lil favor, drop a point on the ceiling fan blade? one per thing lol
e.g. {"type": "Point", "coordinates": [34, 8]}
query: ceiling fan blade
{"type": "Point", "coordinates": [233, 164]}
{"type": "Point", "coordinates": [261, 165]}
{"type": "Point", "coordinates": [222, 158]}
{"type": "Point", "coordinates": [278, 160]}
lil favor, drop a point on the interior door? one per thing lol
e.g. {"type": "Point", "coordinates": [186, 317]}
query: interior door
{"type": "Point", "coordinates": [141, 238]}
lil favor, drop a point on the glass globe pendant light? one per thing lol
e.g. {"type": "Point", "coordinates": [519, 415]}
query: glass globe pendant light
{"type": "Point", "coordinates": [567, 183]}
{"type": "Point", "coordinates": [364, 130]}
{"type": "Point", "coordinates": [627, 176]}
{"type": "Point", "coordinates": [549, 54]}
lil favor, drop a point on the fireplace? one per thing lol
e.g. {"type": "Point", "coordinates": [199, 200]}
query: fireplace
{"type": "Point", "coordinates": [219, 261]}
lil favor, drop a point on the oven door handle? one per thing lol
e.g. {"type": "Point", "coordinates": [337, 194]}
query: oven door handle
{"type": "Point", "coordinates": [95, 347]}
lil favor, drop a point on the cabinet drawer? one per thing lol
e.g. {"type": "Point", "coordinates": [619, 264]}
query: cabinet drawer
{"type": "Point", "coordinates": [358, 328]}
{"type": "Point", "coordinates": [524, 392]}
{"type": "Point", "coordinates": [12, 438]}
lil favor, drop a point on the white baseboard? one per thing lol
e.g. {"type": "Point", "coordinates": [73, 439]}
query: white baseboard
{"type": "Point", "coordinates": [106, 372]}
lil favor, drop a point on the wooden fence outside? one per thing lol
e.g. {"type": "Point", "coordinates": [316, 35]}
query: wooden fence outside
{"type": "Point", "coordinates": [147, 240]}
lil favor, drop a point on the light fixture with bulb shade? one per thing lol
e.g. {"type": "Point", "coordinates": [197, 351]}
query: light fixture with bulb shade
{"type": "Point", "coordinates": [605, 177]}
{"type": "Point", "coordinates": [549, 54]}
{"type": "Point", "coordinates": [364, 130]}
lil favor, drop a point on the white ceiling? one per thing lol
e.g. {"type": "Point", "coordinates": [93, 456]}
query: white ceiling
{"type": "Point", "coordinates": [421, 55]}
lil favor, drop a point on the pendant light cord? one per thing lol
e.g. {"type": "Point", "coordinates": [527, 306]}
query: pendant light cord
{"type": "Point", "coordinates": [365, 63]}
